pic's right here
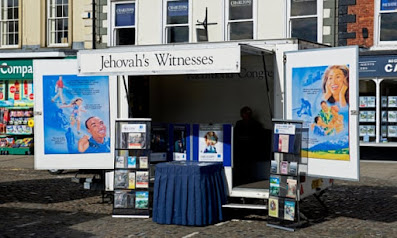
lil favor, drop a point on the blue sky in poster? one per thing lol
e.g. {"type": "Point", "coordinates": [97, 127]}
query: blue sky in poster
{"type": "Point", "coordinates": [62, 112]}
{"type": "Point", "coordinates": [307, 95]}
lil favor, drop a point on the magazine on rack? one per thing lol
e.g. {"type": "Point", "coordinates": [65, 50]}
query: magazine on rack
{"type": "Point", "coordinates": [120, 162]}
{"type": "Point", "coordinates": [143, 162]}
{"type": "Point", "coordinates": [131, 180]}
{"type": "Point", "coordinates": [289, 210]}
{"type": "Point", "coordinates": [120, 178]}
{"type": "Point", "coordinates": [142, 179]}
{"type": "Point", "coordinates": [291, 185]}
{"type": "Point", "coordinates": [120, 199]}
{"type": "Point", "coordinates": [293, 168]}
{"type": "Point", "coordinates": [131, 162]}
{"type": "Point", "coordinates": [142, 200]}
{"type": "Point", "coordinates": [274, 167]}
{"type": "Point", "coordinates": [284, 167]}
{"type": "Point", "coordinates": [274, 185]}
{"type": "Point", "coordinates": [136, 140]}
{"type": "Point", "coordinates": [273, 206]}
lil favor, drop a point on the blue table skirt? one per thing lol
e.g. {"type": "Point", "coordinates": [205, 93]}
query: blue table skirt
{"type": "Point", "coordinates": [189, 193]}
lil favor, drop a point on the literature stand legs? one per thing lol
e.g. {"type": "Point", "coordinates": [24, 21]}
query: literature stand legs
{"type": "Point", "coordinates": [289, 141]}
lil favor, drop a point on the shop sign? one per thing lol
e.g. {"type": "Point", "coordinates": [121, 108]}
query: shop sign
{"type": "Point", "coordinates": [378, 66]}
{"type": "Point", "coordinates": [173, 61]}
{"type": "Point", "coordinates": [16, 69]}
{"type": "Point", "coordinates": [388, 5]}
{"type": "Point", "coordinates": [125, 14]}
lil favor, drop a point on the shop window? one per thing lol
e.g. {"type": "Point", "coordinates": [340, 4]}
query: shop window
{"type": "Point", "coordinates": [9, 23]}
{"type": "Point", "coordinates": [386, 11]}
{"type": "Point", "coordinates": [58, 22]}
{"type": "Point", "coordinates": [240, 19]}
{"type": "Point", "coordinates": [367, 116]}
{"type": "Point", "coordinates": [305, 21]}
{"type": "Point", "coordinates": [388, 92]}
{"type": "Point", "coordinates": [177, 21]}
{"type": "Point", "coordinates": [124, 23]}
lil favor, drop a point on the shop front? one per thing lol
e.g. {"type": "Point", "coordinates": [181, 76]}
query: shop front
{"type": "Point", "coordinates": [378, 99]}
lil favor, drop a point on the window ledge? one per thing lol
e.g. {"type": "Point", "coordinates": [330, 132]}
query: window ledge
{"type": "Point", "coordinates": [390, 46]}
{"type": "Point", "coordinates": [8, 47]}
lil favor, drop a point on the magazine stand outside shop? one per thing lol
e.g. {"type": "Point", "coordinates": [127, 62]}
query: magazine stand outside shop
{"type": "Point", "coordinates": [132, 190]}
{"type": "Point", "coordinates": [285, 174]}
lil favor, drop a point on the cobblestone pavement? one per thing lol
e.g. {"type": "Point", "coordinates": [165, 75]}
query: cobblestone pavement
{"type": "Point", "coordinates": [36, 204]}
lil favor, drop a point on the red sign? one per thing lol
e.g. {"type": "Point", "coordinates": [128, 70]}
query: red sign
{"type": "Point", "coordinates": [1, 95]}
{"type": "Point", "coordinates": [12, 89]}
{"type": "Point", "coordinates": [31, 96]}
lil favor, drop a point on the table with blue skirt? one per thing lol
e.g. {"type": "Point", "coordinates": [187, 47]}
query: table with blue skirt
{"type": "Point", "coordinates": [189, 193]}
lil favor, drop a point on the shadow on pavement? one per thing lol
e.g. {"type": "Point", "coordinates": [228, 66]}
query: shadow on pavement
{"type": "Point", "coordinates": [42, 223]}
{"type": "Point", "coordinates": [43, 191]}
{"type": "Point", "coordinates": [372, 203]}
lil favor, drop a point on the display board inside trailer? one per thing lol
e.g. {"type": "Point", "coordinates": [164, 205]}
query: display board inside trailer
{"type": "Point", "coordinates": [322, 91]}
{"type": "Point", "coordinates": [73, 117]}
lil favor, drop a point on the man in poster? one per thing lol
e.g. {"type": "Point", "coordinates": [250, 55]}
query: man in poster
{"type": "Point", "coordinates": [98, 142]}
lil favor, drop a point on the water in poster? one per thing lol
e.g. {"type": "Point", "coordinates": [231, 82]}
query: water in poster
{"type": "Point", "coordinates": [76, 114]}
{"type": "Point", "coordinates": [321, 99]}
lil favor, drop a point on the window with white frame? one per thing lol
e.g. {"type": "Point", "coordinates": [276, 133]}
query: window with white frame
{"type": "Point", "coordinates": [387, 18]}
{"type": "Point", "coordinates": [240, 23]}
{"type": "Point", "coordinates": [9, 23]}
{"type": "Point", "coordinates": [58, 22]}
{"type": "Point", "coordinates": [177, 21]}
{"type": "Point", "coordinates": [124, 27]}
{"type": "Point", "coordinates": [305, 21]}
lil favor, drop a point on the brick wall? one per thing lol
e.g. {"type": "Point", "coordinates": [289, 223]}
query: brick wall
{"type": "Point", "coordinates": [364, 11]}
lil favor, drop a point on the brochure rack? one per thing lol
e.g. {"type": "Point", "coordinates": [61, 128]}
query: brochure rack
{"type": "Point", "coordinates": [285, 182]}
{"type": "Point", "coordinates": [132, 188]}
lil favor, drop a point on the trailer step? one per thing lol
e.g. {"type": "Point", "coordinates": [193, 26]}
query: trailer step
{"type": "Point", "coordinates": [245, 206]}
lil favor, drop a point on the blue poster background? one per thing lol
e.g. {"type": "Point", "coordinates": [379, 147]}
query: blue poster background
{"type": "Point", "coordinates": [125, 14]}
{"type": "Point", "coordinates": [388, 5]}
{"type": "Point", "coordinates": [307, 95]}
{"type": "Point", "coordinates": [61, 135]}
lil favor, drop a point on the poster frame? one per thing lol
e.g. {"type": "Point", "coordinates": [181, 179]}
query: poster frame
{"type": "Point", "coordinates": [44, 161]}
{"type": "Point", "coordinates": [348, 55]}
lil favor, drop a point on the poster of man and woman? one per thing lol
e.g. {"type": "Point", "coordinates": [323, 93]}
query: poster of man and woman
{"type": "Point", "coordinates": [321, 100]}
{"type": "Point", "coordinates": [76, 114]}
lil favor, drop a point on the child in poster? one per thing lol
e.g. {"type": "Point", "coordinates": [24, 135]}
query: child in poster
{"type": "Point", "coordinates": [327, 90]}
{"type": "Point", "coordinates": [210, 143]}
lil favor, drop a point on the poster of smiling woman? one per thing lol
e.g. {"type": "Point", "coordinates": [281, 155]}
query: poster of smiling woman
{"type": "Point", "coordinates": [321, 91]}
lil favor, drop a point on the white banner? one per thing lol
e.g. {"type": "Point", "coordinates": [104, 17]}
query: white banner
{"type": "Point", "coordinates": [172, 61]}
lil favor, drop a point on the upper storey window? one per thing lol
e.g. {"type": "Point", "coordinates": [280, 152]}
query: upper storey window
{"type": "Point", "coordinates": [58, 22]}
{"type": "Point", "coordinates": [9, 23]}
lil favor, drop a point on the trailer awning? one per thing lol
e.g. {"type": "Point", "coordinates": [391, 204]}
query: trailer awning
{"type": "Point", "coordinates": [166, 59]}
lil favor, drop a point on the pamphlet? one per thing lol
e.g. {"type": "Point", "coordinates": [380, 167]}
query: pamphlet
{"type": "Point", "coordinates": [120, 199]}
{"type": "Point", "coordinates": [136, 140]}
{"type": "Point", "coordinates": [283, 143]}
{"type": "Point", "coordinates": [274, 167]}
{"type": "Point", "coordinates": [120, 178]}
{"type": "Point", "coordinates": [293, 168]}
{"type": "Point", "coordinates": [131, 162]}
{"type": "Point", "coordinates": [120, 162]}
{"type": "Point", "coordinates": [142, 200]}
{"type": "Point", "coordinates": [131, 180]}
{"type": "Point", "coordinates": [284, 167]}
{"type": "Point", "coordinates": [274, 185]}
{"type": "Point", "coordinates": [291, 184]}
{"type": "Point", "coordinates": [289, 210]}
{"type": "Point", "coordinates": [142, 179]}
{"type": "Point", "coordinates": [273, 206]}
{"type": "Point", "coordinates": [143, 162]}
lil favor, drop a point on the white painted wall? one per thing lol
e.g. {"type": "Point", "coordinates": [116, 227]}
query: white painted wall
{"type": "Point", "coordinates": [149, 23]}
{"type": "Point", "coordinates": [271, 19]}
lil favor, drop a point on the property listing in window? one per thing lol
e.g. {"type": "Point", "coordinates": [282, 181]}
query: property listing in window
{"type": "Point", "coordinates": [177, 21]}
{"type": "Point", "coordinates": [124, 29]}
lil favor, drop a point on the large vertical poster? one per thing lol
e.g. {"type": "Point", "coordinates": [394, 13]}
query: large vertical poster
{"type": "Point", "coordinates": [211, 142]}
{"type": "Point", "coordinates": [321, 90]}
{"type": "Point", "coordinates": [76, 114]}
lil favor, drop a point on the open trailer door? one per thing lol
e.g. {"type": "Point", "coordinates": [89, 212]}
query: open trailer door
{"type": "Point", "coordinates": [322, 91]}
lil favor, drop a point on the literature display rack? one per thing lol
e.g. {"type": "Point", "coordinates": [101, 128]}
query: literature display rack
{"type": "Point", "coordinates": [132, 168]}
{"type": "Point", "coordinates": [284, 191]}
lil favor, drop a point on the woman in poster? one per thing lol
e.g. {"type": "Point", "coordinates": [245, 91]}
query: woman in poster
{"type": "Point", "coordinates": [336, 85]}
